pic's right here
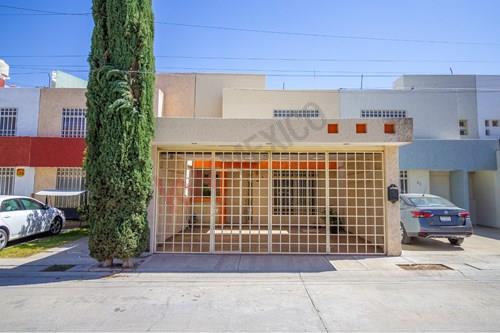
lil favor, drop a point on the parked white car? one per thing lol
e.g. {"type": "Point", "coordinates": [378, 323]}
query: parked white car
{"type": "Point", "coordinates": [23, 216]}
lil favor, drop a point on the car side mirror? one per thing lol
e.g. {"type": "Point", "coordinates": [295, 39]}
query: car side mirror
{"type": "Point", "coordinates": [45, 207]}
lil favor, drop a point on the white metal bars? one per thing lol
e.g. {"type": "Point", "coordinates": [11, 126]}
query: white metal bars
{"type": "Point", "coordinates": [260, 202]}
{"type": "Point", "coordinates": [8, 121]}
{"type": "Point", "coordinates": [7, 176]}
{"type": "Point", "coordinates": [74, 123]}
{"type": "Point", "coordinates": [70, 179]}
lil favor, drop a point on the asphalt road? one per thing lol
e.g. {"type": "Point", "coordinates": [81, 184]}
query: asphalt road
{"type": "Point", "coordinates": [260, 293]}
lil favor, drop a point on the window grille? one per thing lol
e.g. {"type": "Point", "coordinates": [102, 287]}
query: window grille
{"type": "Point", "coordinates": [74, 123]}
{"type": "Point", "coordinates": [383, 114]}
{"type": "Point", "coordinates": [403, 179]}
{"type": "Point", "coordinates": [70, 179]}
{"type": "Point", "coordinates": [8, 121]}
{"type": "Point", "coordinates": [7, 181]}
{"type": "Point", "coordinates": [296, 113]}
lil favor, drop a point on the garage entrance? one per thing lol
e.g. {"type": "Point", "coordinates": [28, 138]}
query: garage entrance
{"type": "Point", "coordinates": [270, 202]}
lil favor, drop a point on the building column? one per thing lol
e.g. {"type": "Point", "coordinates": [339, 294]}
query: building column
{"type": "Point", "coordinates": [392, 214]}
{"type": "Point", "coordinates": [459, 188]}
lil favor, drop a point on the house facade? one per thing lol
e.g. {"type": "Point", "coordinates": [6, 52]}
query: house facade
{"type": "Point", "coordinates": [243, 169]}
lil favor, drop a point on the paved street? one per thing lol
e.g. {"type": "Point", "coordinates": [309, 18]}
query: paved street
{"type": "Point", "coordinates": [259, 293]}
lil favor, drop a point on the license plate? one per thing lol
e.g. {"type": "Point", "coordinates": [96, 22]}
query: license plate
{"type": "Point", "coordinates": [445, 218]}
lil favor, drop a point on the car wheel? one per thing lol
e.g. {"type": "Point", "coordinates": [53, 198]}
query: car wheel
{"type": "Point", "coordinates": [456, 241]}
{"type": "Point", "coordinates": [404, 237]}
{"type": "Point", "coordinates": [4, 237]}
{"type": "Point", "coordinates": [56, 226]}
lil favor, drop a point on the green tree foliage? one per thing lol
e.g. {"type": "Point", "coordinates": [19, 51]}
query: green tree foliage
{"type": "Point", "coordinates": [120, 128]}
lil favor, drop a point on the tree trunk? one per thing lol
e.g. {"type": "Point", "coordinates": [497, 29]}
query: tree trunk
{"type": "Point", "coordinates": [107, 262]}
{"type": "Point", "coordinates": [128, 263]}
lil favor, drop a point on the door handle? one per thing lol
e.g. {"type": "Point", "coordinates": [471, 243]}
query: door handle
{"type": "Point", "coordinates": [7, 217]}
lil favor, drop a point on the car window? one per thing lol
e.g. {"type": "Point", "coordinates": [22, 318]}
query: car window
{"type": "Point", "coordinates": [31, 204]}
{"type": "Point", "coordinates": [10, 205]}
{"type": "Point", "coordinates": [430, 201]}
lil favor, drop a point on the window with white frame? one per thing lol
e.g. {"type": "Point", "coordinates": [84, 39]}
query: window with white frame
{"type": "Point", "coordinates": [463, 125]}
{"type": "Point", "coordinates": [383, 113]}
{"type": "Point", "coordinates": [70, 179]}
{"type": "Point", "coordinates": [295, 113]}
{"type": "Point", "coordinates": [403, 180]}
{"type": "Point", "coordinates": [8, 121]}
{"type": "Point", "coordinates": [294, 192]}
{"type": "Point", "coordinates": [74, 123]}
{"type": "Point", "coordinates": [7, 181]}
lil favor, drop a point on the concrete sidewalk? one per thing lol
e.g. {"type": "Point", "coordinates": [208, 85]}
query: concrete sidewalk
{"type": "Point", "coordinates": [259, 293]}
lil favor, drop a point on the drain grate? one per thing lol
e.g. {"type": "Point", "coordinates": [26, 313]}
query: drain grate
{"type": "Point", "coordinates": [58, 268]}
{"type": "Point", "coordinates": [424, 267]}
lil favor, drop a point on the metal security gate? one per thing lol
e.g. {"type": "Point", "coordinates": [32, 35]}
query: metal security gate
{"type": "Point", "coordinates": [270, 202]}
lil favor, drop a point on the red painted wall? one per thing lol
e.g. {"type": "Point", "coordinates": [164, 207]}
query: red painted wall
{"type": "Point", "coordinates": [41, 151]}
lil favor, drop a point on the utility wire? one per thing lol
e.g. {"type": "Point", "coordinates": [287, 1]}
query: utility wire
{"type": "Point", "coordinates": [39, 11]}
{"type": "Point", "coordinates": [265, 31]}
{"type": "Point", "coordinates": [322, 35]}
{"type": "Point", "coordinates": [295, 59]}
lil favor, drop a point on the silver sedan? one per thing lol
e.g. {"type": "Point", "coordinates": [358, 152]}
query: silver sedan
{"type": "Point", "coordinates": [430, 216]}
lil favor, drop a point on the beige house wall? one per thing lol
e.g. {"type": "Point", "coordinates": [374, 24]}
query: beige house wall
{"type": "Point", "coordinates": [178, 95]}
{"type": "Point", "coordinates": [198, 95]}
{"type": "Point", "coordinates": [52, 102]}
{"type": "Point", "coordinates": [392, 213]}
{"type": "Point", "coordinates": [45, 178]}
{"type": "Point", "coordinates": [248, 103]}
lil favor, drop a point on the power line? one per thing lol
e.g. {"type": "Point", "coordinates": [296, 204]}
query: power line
{"type": "Point", "coordinates": [322, 35]}
{"type": "Point", "coordinates": [229, 69]}
{"type": "Point", "coordinates": [287, 59]}
{"type": "Point", "coordinates": [39, 11]}
{"type": "Point", "coordinates": [264, 31]}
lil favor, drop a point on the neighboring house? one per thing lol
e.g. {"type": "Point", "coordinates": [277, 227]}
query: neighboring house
{"type": "Point", "coordinates": [241, 168]}
{"type": "Point", "coordinates": [456, 121]}
{"type": "Point", "coordinates": [42, 141]}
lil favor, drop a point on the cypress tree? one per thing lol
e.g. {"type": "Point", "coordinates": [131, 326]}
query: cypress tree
{"type": "Point", "coordinates": [120, 129]}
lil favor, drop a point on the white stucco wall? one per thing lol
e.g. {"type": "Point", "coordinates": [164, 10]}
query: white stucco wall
{"type": "Point", "coordinates": [488, 103]}
{"type": "Point", "coordinates": [27, 101]}
{"type": "Point", "coordinates": [461, 87]}
{"type": "Point", "coordinates": [434, 114]}
{"type": "Point", "coordinates": [251, 103]}
{"type": "Point", "coordinates": [440, 184]}
{"type": "Point", "coordinates": [486, 198]}
{"type": "Point", "coordinates": [25, 185]}
{"type": "Point", "coordinates": [418, 181]}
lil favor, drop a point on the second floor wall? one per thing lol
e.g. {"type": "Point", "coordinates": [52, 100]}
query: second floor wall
{"type": "Point", "coordinates": [267, 104]}
{"type": "Point", "coordinates": [19, 111]}
{"type": "Point", "coordinates": [434, 115]}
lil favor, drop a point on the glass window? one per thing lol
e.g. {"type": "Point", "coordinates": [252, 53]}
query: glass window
{"type": "Point", "coordinates": [430, 202]}
{"type": "Point", "coordinates": [30, 204]}
{"type": "Point", "coordinates": [403, 179]}
{"type": "Point", "coordinates": [494, 123]}
{"type": "Point", "coordinates": [10, 205]}
{"type": "Point", "coordinates": [462, 123]}
{"type": "Point", "coordinates": [487, 123]}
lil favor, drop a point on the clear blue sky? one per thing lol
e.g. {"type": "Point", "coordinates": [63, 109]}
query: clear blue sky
{"type": "Point", "coordinates": [448, 20]}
